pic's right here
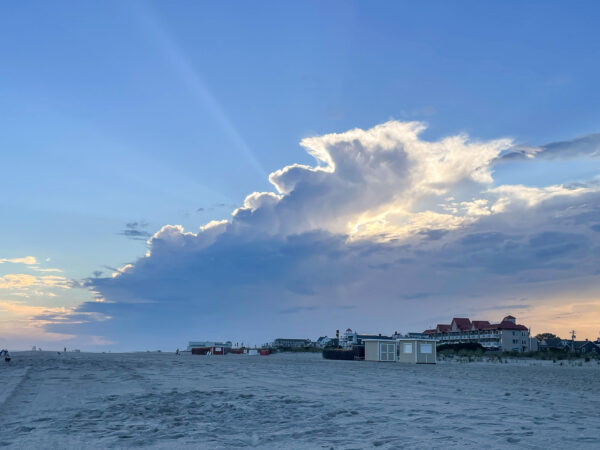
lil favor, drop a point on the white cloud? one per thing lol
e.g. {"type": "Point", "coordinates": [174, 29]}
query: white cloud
{"type": "Point", "coordinates": [526, 196]}
{"type": "Point", "coordinates": [362, 175]}
{"type": "Point", "coordinates": [26, 281]}
{"type": "Point", "coordinates": [29, 260]}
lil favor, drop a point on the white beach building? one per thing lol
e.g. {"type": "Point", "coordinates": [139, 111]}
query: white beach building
{"type": "Point", "coordinates": [405, 350]}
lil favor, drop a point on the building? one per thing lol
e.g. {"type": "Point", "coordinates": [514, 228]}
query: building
{"type": "Point", "coordinates": [351, 338]}
{"type": "Point", "coordinates": [380, 350]}
{"type": "Point", "coordinates": [552, 344]}
{"type": "Point", "coordinates": [414, 335]}
{"type": "Point", "coordinates": [416, 350]}
{"type": "Point", "coordinates": [291, 343]}
{"type": "Point", "coordinates": [208, 345]}
{"type": "Point", "coordinates": [405, 350]}
{"type": "Point", "coordinates": [505, 336]}
{"type": "Point", "coordinates": [325, 341]}
{"type": "Point", "coordinates": [585, 347]}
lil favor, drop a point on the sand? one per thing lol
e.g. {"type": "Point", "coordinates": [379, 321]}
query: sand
{"type": "Point", "coordinates": [159, 400]}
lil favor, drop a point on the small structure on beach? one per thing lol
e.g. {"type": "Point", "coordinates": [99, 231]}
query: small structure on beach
{"type": "Point", "coordinates": [380, 350]}
{"type": "Point", "coordinates": [418, 351]}
{"type": "Point", "coordinates": [406, 350]}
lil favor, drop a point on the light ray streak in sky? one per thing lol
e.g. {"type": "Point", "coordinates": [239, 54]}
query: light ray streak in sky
{"type": "Point", "coordinates": [191, 77]}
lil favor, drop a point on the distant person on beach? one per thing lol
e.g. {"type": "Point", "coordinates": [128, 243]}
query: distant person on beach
{"type": "Point", "coordinates": [177, 352]}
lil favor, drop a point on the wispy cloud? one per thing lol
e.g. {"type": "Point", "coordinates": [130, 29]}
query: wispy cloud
{"type": "Point", "coordinates": [29, 260]}
{"type": "Point", "coordinates": [136, 231]}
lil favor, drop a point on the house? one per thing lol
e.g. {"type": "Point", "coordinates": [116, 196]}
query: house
{"type": "Point", "coordinates": [405, 350]}
{"type": "Point", "coordinates": [552, 344]}
{"type": "Point", "coordinates": [586, 347]}
{"type": "Point", "coordinates": [506, 335]}
{"type": "Point", "coordinates": [325, 341]}
{"type": "Point", "coordinates": [352, 338]}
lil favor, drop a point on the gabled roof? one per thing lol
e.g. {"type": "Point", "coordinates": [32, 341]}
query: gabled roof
{"type": "Point", "coordinates": [552, 342]}
{"type": "Point", "coordinates": [443, 328]}
{"type": "Point", "coordinates": [462, 323]}
{"type": "Point", "coordinates": [480, 324]}
{"type": "Point", "coordinates": [582, 344]}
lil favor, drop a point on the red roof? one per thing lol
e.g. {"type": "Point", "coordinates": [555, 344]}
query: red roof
{"type": "Point", "coordinates": [480, 324]}
{"type": "Point", "coordinates": [462, 323]}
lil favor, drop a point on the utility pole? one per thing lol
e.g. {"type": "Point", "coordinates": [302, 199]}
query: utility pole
{"type": "Point", "coordinates": [573, 340]}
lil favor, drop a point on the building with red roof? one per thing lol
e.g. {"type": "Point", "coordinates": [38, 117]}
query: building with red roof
{"type": "Point", "coordinates": [506, 335]}
{"type": "Point", "coordinates": [460, 324]}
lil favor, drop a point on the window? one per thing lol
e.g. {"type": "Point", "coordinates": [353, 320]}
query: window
{"type": "Point", "coordinates": [387, 352]}
{"type": "Point", "coordinates": [407, 348]}
{"type": "Point", "coordinates": [426, 348]}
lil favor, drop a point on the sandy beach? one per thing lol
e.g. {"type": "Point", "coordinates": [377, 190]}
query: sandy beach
{"type": "Point", "coordinates": [159, 400]}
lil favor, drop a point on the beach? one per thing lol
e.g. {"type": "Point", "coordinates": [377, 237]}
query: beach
{"type": "Point", "coordinates": [289, 401]}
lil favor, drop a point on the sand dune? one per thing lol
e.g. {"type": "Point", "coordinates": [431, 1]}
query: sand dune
{"type": "Point", "coordinates": [292, 401]}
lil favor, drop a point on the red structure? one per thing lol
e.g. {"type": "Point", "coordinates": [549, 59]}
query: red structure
{"type": "Point", "coordinates": [265, 352]}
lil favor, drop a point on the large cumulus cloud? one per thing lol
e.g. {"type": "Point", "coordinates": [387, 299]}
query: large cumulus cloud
{"type": "Point", "coordinates": [386, 232]}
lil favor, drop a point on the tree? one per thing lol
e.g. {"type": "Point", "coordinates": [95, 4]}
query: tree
{"type": "Point", "coordinates": [541, 336]}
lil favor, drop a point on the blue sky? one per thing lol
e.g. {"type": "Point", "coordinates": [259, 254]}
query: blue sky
{"type": "Point", "coordinates": [153, 113]}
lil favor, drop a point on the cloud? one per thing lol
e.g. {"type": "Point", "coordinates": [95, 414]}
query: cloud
{"type": "Point", "coordinates": [17, 280]}
{"type": "Point", "coordinates": [581, 147]}
{"type": "Point", "coordinates": [135, 230]}
{"type": "Point", "coordinates": [25, 281]}
{"type": "Point", "coordinates": [29, 260]}
{"type": "Point", "coordinates": [384, 230]}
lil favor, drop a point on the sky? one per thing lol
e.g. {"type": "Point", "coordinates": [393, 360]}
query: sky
{"type": "Point", "coordinates": [245, 171]}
